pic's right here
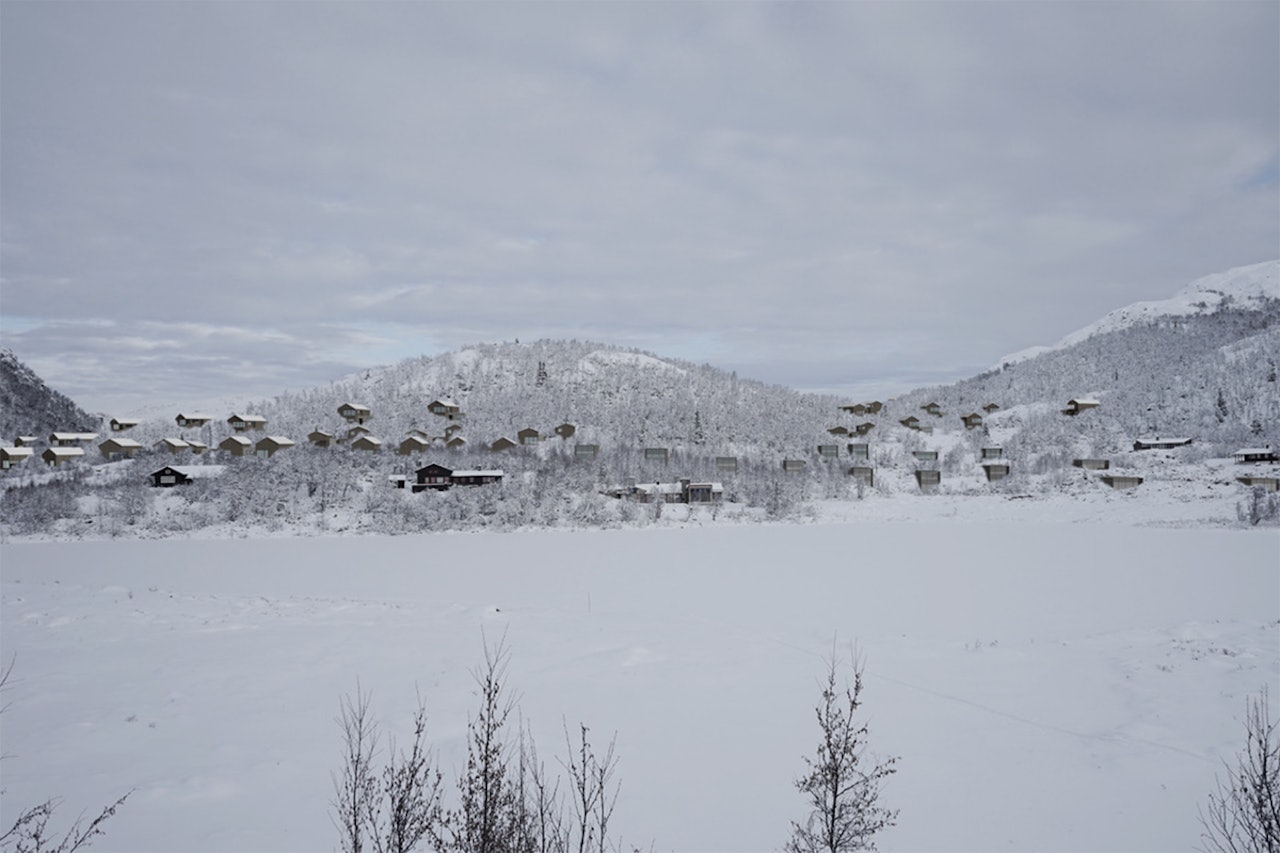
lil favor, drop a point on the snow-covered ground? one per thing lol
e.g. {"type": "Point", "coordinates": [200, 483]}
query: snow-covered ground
{"type": "Point", "coordinates": [1047, 685]}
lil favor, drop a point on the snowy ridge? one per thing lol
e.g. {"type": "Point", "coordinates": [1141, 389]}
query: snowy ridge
{"type": "Point", "coordinates": [1247, 287]}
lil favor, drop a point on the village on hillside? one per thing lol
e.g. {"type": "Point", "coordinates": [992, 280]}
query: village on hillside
{"type": "Point", "coordinates": [850, 449]}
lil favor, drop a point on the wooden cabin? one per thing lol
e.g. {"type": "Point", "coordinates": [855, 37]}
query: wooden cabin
{"type": "Point", "coordinates": [995, 469]}
{"type": "Point", "coordinates": [122, 424]}
{"type": "Point", "coordinates": [973, 420]}
{"type": "Point", "coordinates": [320, 438]}
{"type": "Point", "coordinates": [859, 451]}
{"type": "Point", "coordinates": [445, 408]}
{"type": "Point", "coordinates": [1270, 484]}
{"type": "Point", "coordinates": [864, 428]}
{"type": "Point", "coordinates": [933, 409]}
{"type": "Point", "coordinates": [829, 451]}
{"type": "Point", "coordinates": [270, 445]}
{"type": "Point", "coordinates": [991, 453]}
{"type": "Point", "coordinates": [586, 451]}
{"type": "Point", "coordinates": [71, 439]}
{"type": "Point", "coordinates": [119, 448]}
{"type": "Point", "coordinates": [355, 413]}
{"type": "Point", "coordinates": [11, 456]}
{"type": "Point", "coordinates": [195, 419]}
{"type": "Point", "coordinates": [1158, 443]}
{"type": "Point", "coordinates": [236, 445]}
{"type": "Point", "coordinates": [503, 443]}
{"type": "Point", "coordinates": [657, 454]}
{"type": "Point", "coordinates": [1121, 481]}
{"type": "Point", "coordinates": [794, 466]}
{"type": "Point", "coordinates": [528, 437]}
{"type": "Point", "coordinates": [991, 407]}
{"type": "Point", "coordinates": [1080, 404]}
{"type": "Point", "coordinates": [1249, 455]}
{"type": "Point", "coordinates": [412, 444]}
{"type": "Point", "coordinates": [244, 423]}
{"type": "Point", "coordinates": [170, 476]}
{"type": "Point", "coordinates": [566, 430]}
{"type": "Point", "coordinates": [433, 476]}
{"type": "Point", "coordinates": [61, 455]}
{"type": "Point", "coordinates": [172, 445]}
{"type": "Point", "coordinates": [367, 443]}
{"type": "Point", "coordinates": [865, 473]}
{"type": "Point", "coordinates": [928, 478]}
{"type": "Point", "coordinates": [1092, 464]}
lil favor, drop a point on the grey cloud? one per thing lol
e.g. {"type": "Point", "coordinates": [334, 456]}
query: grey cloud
{"type": "Point", "coordinates": [980, 177]}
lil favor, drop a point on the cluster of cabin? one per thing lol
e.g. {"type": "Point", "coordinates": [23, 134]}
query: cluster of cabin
{"type": "Point", "coordinates": [63, 447]}
{"type": "Point", "coordinates": [682, 491]}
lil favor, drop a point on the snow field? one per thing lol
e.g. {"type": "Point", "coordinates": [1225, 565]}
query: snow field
{"type": "Point", "coordinates": [1046, 686]}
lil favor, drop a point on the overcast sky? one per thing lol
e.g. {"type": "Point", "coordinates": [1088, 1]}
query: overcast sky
{"type": "Point", "coordinates": [204, 199]}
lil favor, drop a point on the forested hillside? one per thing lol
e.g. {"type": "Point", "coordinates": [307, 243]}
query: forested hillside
{"type": "Point", "coordinates": [30, 407]}
{"type": "Point", "coordinates": [1202, 366]}
{"type": "Point", "coordinates": [614, 397]}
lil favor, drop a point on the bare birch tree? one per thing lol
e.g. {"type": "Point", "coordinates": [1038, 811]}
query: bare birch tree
{"type": "Point", "coordinates": [1243, 814]}
{"type": "Point", "coordinates": [842, 783]}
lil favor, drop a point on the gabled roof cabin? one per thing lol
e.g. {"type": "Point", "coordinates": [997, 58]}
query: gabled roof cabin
{"type": "Point", "coordinates": [270, 445]}
{"type": "Point", "coordinates": [236, 445]}
{"type": "Point", "coordinates": [10, 456]}
{"type": "Point", "coordinates": [71, 439]}
{"type": "Point", "coordinates": [241, 423]}
{"type": "Point", "coordinates": [61, 454]}
{"type": "Point", "coordinates": [355, 412]}
{"type": "Point", "coordinates": [119, 448]}
{"type": "Point", "coordinates": [1080, 404]}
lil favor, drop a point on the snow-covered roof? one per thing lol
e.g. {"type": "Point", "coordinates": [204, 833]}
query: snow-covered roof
{"type": "Point", "coordinates": [1254, 451]}
{"type": "Point", "coordinates": [278, 440]}
{"type": "Point", "coordinates": [249, 419]}
{"type": "Point", "coordinates": [238, 439]}
{"type": "Point", "coordinates": [174, 442]}
{"type": "Point", "coordinates": [17, 452]}
{"type": "Point", "coordinates": [122, 443]}
{"type": "Point", "coordinates": [1155, 439]}
{"type": "Point", "coordinates": [494, 473]}
{"type": "Point", "coordinates": [194, 416]}
{"type": "Point", "coordinates": [73, 436]}
{"type": "Point", "coordinates": [199, 472]}
{"type": "Point", "coordinates": [65, 451]}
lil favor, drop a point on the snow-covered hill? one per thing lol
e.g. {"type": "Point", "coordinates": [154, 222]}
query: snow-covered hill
{"type": "Point", "coordinates": [1248, 288]}
{"type": "Point", "coordinates": [30, 407]}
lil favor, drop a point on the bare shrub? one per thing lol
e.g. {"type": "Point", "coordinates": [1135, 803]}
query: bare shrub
{"type": "Point", "coordinates": [842, 783]}
{"type": "Point", "coordinates": [1243, 814]}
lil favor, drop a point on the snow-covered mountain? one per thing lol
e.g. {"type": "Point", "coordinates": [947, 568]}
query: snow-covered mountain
{"type": "Point", "coordinates": [30, 407]}
{"type": "Point", "coordinates": [1247, 288]}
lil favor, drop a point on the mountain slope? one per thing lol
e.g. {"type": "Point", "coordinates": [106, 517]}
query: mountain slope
{"type": "Point", "coordinates": [30, 407]}
{"type": "Point", "coordinates": [1247, 288]}
{"type": "Point", "coordinates": [613, 396]}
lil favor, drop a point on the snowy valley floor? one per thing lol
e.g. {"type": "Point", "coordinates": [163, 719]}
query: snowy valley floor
{"type": "Point", "coordinates": [1047, 685]}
